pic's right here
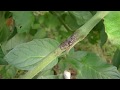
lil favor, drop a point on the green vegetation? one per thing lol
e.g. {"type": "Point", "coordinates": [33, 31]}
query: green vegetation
{"type": "Point", "coordinates": [44, 44]}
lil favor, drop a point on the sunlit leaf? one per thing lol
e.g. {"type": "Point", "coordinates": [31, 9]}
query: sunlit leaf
{"type": "Point", "coordinates": [112, 27]}
{"type": "Point", "coordinates": [23, 20]}
{"type": "Point", "coordinates": [16, 40]}
{"type": "Point", "coordinates": [27, 55]}
{"type": "Point", "coordinates": [91, 66]}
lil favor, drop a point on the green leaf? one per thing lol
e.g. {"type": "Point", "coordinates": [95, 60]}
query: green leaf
{"type": "Point", "coordinates": [103, 37]}
{"type": "Point", "coordinates": [8, 71]}
{"type": "Point", "coordinates": [12, 34]}
{"type": "Point", "coordinates": [112, 27]}
{"type": "Point", "coordinates": [26, 56]}
{"type": "Point", "coordinates": [49, 74]}
{"type": "Point", "coordinates": [23, 20]}
{"type": "Point", "coordinates": [41, 19]}
{"type": "Point", "coordinates": [3, 34]}
{"type": "Point", "coordinates": [94, 67]}
{"type": "Point", "coordinates": [36, 26]}
{"type": "Point", "coordinates": [4, 31]}
{"type": "Point", "coordinates": [49, 20]}
{"type": "Point", "coordinates": [91, 66]}
{"type": "Point", "coordinates": [41, 33]}
{"type": "Point", "coordinates": [2, 60]}
{"type": "Point", "coordinates": [98, 34]}
{"type": "Point", "coordinates": [81, 16]}
{"type": "Point", "coordinates": [93, 12]}
{"type": "Point", "coordinates": [71, 22]}
{"type": "Point", "coordinates": [16, 40]}
{"type": "Point", "coordinates": [71, 61]}
{"type": "Point", "coordinates": [116, 58]}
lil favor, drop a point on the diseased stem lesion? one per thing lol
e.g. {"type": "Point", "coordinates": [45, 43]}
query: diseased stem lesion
{"type": "Point", "coordinates": [67, 43]}
{"type": "Point", "coordinates": [83, 31]}
{"type": "Point", "coordinates": [71, 41]}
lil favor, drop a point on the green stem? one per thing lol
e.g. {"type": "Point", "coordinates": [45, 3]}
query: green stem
{"type": "Point", "coordinates": [79, 34]}
{"type": "Point", "coordinates": [84, 30]}
{"type": "Point", "coordinates": [41, 65]}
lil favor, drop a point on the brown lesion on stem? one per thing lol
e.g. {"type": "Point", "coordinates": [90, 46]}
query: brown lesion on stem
{"type": "Point", "coordinates": [67, 43]}
{"type": "Point", "coordinates": [71, 41]}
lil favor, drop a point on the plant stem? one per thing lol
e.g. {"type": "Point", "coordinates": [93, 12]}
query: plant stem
{"type": "Point", "coordinates": [79, 35]}
{"type": "Point", "coordinates": [84, 30]}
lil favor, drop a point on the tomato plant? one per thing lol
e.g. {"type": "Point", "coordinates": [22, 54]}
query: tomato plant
{"type": "Point", "coordinates": [59, 44]}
